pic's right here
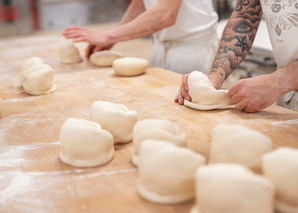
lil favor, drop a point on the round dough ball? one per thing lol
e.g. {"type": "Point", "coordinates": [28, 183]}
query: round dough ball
{"type": "Point", "coordinates": [1, 106]}
{"type": "Point", "coordinates": [105, 58]}
{"type": "Point", "coordinates": [85, 144]}
{"type": "Point", "coordinates": [232, 188]}
{"type": "Point", "coordinates": [157, 129]}
{"type": "Point", "coordinates": [203, 94]}
{"type": "Point", "coordinates": [37, 78]}
{"type": "Point", "coordinates": [116, 118]}
{"type": "Point", "coordinates": [69, 54]}
{"type": "Point", "coordinates": [281, 167]}
{"type": "Point", "coordinates": [167, 172]}
{"type": "Point", "coordinates": [239, 144]}
{"type": "Point", "coordinates": [130, 66]}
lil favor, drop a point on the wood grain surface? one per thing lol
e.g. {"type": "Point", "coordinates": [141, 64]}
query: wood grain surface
{"type": "Point", "coordinates": [33, 179]}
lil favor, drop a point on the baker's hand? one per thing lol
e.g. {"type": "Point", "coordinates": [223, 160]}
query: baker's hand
{"type": "Point", "coordinates": [94, 48]}
{"type": "Point", "coordinates": [183, 91]}
{"type": "Point", "coordinates": [254, 94]}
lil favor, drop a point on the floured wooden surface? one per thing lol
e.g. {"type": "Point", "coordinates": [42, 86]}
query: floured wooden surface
{"type": "Point", "coordinates": [32, 178]}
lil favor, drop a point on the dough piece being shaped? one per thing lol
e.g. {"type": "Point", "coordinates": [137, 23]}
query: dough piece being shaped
{"type": "Point", "coordinates": [167, 172]}
{"type": "Point", "coordinates": [157, 129]}
{"type": "Point", "coordinates": [281, 167]}
{"type": "Point", "coordinates": [203, 94]}
{"type": "Point", "coordinates": [116, 118]}
{"type": "Point", "coordinates": [85, 144]}
{"type": "Point", "coordinates": [1, 106]}
{"type": "Point", "coordinates": [37, 78]}
{"type": "Point", "coordinates": [232, 188]}
{"type": "Point", "coordinates": [105, 58]}
{"type": "Point", "coordinates": [69, 54]}
{"type": "Point", "coordinates": [239, 144]}
{"type": "Point", "coordinates": [130, 66]}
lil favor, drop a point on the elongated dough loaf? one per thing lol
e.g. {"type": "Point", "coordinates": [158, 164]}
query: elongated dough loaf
{"type": "Point", "coordinates": [130, 66]}
{"type": "Point", "coordinates": [105, 58]}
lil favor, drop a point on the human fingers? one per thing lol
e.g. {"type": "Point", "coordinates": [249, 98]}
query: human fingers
{"type": "Point", "coordinates": [241, 106]}
{"type": "Point", "coordinates": [179, 98]}
{"type": "Point", "coordinates": [96, 49]}
{"type": "Point", "coordinates": [89, 51]}
{"type": "Point", "coordinates": [184, 81]}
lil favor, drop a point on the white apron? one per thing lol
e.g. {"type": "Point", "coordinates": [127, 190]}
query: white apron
{"type": "Point", "coordinates": [282, 24]}
{"type": "Point", "coordinates": [191, 43]}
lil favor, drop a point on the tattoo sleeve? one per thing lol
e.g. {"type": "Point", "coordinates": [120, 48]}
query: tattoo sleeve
{"type": "Point", "coordinates": [237, 37]}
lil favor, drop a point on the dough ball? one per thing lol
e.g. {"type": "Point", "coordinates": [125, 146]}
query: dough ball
{"type": "Point", "coordinates": [239, 144]}
{"type": "Point", "coordinates": [203, 94]}
{"type": "Point", "coordinates": [157, 129]}
{"type": "Point", "coordinates": [105, 58]}
{"type": "Point", "coordinates": [1, 106]}
{"type": "Point", "coordinates": [116, 118]}
{"type": "Point", "coordinates": [130, 66]}
{"type": "Point", "coordinates": [232, 188]}
{"type": "Point", "coordinates": [69, 54]}
{"type": "Point", "coordinates": [84, 144]}
{"type": "Point", "coordinates": [167, 172]}
{"type": "Point", "coordinates": [37, 78]}
{"type": "Point", "coordinates": [281, 167]}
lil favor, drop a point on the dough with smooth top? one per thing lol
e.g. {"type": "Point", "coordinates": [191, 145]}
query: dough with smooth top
{"type": "Point", "coordinates": [239, 144]}
{"type": "Point", "coordinates": [69, 54]}
{"type": "Point", "coordinates": [105, 58]}
{"type": "Point", "coordinates": [85, 144]}
{"type": "Point", "coordinates": [232, 188]}
{"type": "Point", "coordinates": [167, 172]}
{"type": "Point", "coordinates": [130, 66]}
{"type": "Point", "coordinates": [37, 78]}
{"type": "Point", "coordinates": [203, 94]}
{"type": "Point", "coordinates": [157, 129]}
{"type": "Point", "coordinates": [281, 167]}
{"type": "Point", "coordinates": [116, 118]}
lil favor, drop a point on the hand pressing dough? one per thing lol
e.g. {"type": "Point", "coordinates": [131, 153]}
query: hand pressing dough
{"type": "Point", "coordinates": [1, 106]}
{"type": "Point", "coordinates": [203, 94]}
{"type": "Point", "coordinates": [281, 167]}
{"type": "Point", "coordinates": [155, 129]}
{"type": "Point", "coordinates": [239, 144]}
{"type": "Point", "coordinates": [85, 144]}
{"type": "Point", "coordinates": [69, 54]}
{"type": "Point", "coordinates": [116, 118]}
{"type": "Point", "coordinates": [167, 172]}
{"type": "Point", "coordinates": [130, 66]}
{"type": "Point", "coordinates": [36, 77]}
{"type": "Point", "coordinates": [105, 58]}
{"type": "Point", "coordinates": [232, 188]}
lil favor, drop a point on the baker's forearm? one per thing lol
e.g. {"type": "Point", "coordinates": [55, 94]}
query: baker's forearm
{"type": "Point", "coordinates": [135, 8]}
{"type": "Point", "coordinates": [237, 39]}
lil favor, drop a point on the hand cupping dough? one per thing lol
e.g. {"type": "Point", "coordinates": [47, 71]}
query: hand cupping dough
{"type": "Point", "coordinates": [232, 188]}
{"type": "Point", "coordinates": [157, 129]}
{"type": "Point", "coordinates": [130, 66]}
{"type": "Point", "coordinates": [116, 118]}
{"type": "Point", "coordinates": [69, 54]}
{"type": "Point", "coordinates": [84, 144]}
{"type": "Point", "coordinates": [36, 77]}
{"type": "Point", "coordinates": [203, 94]}
{"type": "Point", "coordinates": [167, 172]}
{"type": "Point", "coordinates": [105, 58]}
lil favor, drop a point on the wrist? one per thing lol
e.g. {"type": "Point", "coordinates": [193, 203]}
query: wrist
{"type": "Point", "coordinates": [216, 79]}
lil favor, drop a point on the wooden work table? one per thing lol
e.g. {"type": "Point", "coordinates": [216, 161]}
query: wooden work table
{"type": "Point", "coordinates": [33, 179]}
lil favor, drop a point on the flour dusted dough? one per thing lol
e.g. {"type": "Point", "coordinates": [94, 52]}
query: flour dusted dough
{"type": "Point", "coordinates": [105, 58]}
{"type": "Point", "coordinates": [116, 118]}
{"type": "Point", "coordinates": [155, 129]}
{"type": "Point", "coordinates": [37, 78]}
{"type": "Point", "coordinates": [203, 94]}
{"type": "Point", "coordinates": [281, 167]}
{"type": "Point", "coordinates": [69, 54]}
{"type": "Point", "coordinates": [1, 106]}
{"type": "Point", "coordinates": [232, 188]}
{"type": "Point", "coordinates": [130, 66]}
{"type": "Point", "coordinates": [239, 144]}
{"type": "Point", "coordinates": [167, 172]}
{"type": "Point", "coordinates": [85, 144]}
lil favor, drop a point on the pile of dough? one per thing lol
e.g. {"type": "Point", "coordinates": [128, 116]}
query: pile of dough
{"type": "Point", "coordinates": [203, 94]}
{"type": "Point", "coordinates": [130, 66]}
{"type": "Point", "coordinates": [85, 144]}
{"type": "Point", "coordinates": [239, 144]}
{"type": "Point", "coordinates": [167, 172]}
{"type": "Point", "coordinates": [232, 188]}
{"type": "Point", "coordinates": [36, 77]}
{"type": "Point", "coordinates": [69, 54]}
{"type": "Point", "coordinates": [116, 118]}
{"type": "Point", "coordinates": [105, 58]}
{"type": "Point", "coordinates": [157, 129]}
{"type": "Point", "coordinates": [281, 167]}
{"type": "Point", "coordinates": [1, 106]}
